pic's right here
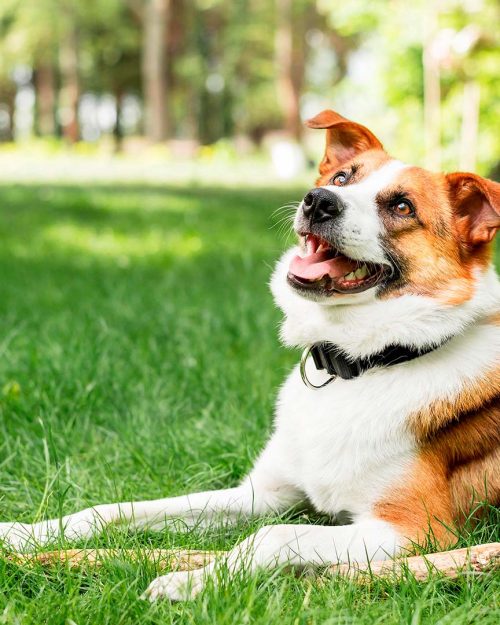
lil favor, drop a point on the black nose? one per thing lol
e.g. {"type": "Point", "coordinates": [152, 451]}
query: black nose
{"type": "Point", "coordinates": [320, 204]}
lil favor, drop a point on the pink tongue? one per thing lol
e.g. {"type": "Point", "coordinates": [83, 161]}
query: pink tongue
{"type": "Point", "coordinates": [315, 266]}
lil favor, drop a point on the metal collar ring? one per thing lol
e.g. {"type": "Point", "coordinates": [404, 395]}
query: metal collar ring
{"type": "Point", "coordinates": [303, 374]}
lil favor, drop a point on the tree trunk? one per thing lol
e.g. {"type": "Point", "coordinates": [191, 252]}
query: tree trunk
{"type": "Point", "coordinates": [45, 98]}
{"type": "Point", "coordinates": [287, 87]}
{"type": "Point", "coordinates": [9, 100]}
{"type": "Point", "coordinates": [69, 94]}
{"type": "Point", "coordinates": [117, 129]}
{"type": "Point", "coordinates": [154, 68]}
{"type": "Point", "coordinates": [470, 122]}
{"type": "Point", "coordinates": [432, 90]}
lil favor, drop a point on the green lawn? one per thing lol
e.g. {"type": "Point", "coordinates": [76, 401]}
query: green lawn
{"type": "Point", "coordinates": [140, 359]}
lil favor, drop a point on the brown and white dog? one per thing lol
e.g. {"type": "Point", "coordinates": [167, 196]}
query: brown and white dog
{"type": "Point", "coordinates": [390, 257]}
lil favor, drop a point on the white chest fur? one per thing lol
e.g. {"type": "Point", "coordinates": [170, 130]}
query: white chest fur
{"type": "Point", "coordinates": [344, 442]}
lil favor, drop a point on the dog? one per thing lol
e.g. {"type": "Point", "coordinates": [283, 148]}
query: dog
{"type": "Point", "coordinates": [392, 416]}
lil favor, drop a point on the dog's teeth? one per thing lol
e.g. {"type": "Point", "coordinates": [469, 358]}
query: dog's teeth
{"type": "Point", "coordinates": [362, 272]}
{"type": "Point", "coordinates": [350, 276]}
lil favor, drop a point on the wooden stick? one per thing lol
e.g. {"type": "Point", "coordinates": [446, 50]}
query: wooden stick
{"type": "Point", "coordinates": [475, 559]}
{"type": "Point", "coordinates": [172, 559]}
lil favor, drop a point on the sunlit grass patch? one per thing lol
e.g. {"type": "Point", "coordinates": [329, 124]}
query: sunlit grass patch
{"type": "Point", "coordinates": [111, 244]}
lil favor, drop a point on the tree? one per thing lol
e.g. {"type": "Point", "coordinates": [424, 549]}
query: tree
{"type": "Point", "coordinates": [69, 94]}
{"type": "Point", "coordinates": [287, 80]}
{"type": "Point", "coordinates": [154, 68]}
{"type": "Point", "coordinates": [432, 87]}
{"type": "Point", "coordinates": [45, 85]}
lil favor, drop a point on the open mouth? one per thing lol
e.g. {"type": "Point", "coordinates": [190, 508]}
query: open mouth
{"type": "Point", "coordinates": [324, 268]}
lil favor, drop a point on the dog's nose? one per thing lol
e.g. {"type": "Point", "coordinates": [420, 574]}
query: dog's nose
{"type": "Point", "coordinates": [320, 204]}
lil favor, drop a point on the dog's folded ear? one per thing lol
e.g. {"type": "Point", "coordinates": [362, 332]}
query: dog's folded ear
{"type": "Point", "coordinates": [476, 203]}
{"type": "Point", "coordinates": [344, 139]}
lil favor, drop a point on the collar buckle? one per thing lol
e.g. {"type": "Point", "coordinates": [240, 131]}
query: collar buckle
{"type": "Point", "coordinates": [303, 374]}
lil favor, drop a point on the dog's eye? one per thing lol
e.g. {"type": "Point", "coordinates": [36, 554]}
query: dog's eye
{"type": "Point", "coordinates": [403, 208]}
{"type": "Point", "coordinates": [340, 179]}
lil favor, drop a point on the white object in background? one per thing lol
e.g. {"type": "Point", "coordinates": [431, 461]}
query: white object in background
{"type": "Point", "coordinates": [288, 159]}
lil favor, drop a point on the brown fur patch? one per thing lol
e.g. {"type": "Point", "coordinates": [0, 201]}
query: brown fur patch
{"type": "Point", "coordinates": [439, 414]}
{"type": "Point", "coordinates": [433, 261]}
{"type": "Point", "coordinates": [456, 469]}
{"type": "Point", "coordinates": [421, 505]}
{"type": "Point", "coordinates": [474, 483]}
{"type": "Point", "coordinates": [475, 435]}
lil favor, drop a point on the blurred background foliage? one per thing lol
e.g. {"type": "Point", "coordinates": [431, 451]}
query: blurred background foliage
{"type": "Point", "coordinates": [239, 76]}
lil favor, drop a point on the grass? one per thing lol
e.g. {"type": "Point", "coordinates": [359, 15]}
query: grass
{"type": "Point", "coordinates": [139, 359]}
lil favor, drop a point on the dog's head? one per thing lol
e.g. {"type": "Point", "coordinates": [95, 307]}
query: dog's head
{"type": "Point", "coordinates": [374, 223]}
{"type": "Point", "coordinates": [375, 229]}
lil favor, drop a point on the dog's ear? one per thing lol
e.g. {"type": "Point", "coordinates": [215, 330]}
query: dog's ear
{"type": "Point", "coordinates": [344, 139]}
{"type": "Point", "coordinates": [476, 204]}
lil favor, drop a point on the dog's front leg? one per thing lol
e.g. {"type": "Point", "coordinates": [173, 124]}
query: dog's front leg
{"type": "Point", "coordinates": [183, 511]}
{"type": "Point", "coordinates": [262, 492]}
{"type": "Point", "coordinates": [295, 545]}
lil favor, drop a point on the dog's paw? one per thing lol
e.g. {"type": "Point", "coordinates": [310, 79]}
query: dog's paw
{"type": "Point", "coordinates": [182, 586]}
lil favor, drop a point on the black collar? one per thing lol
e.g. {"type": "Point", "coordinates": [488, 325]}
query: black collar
{"type": "Point", "coordinates": [337, 363]}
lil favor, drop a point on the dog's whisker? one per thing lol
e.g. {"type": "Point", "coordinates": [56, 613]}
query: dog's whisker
{"type": "Point", "coordinates": [284, 224]}
{"type": "Point", "coordinates": [285, 207]}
